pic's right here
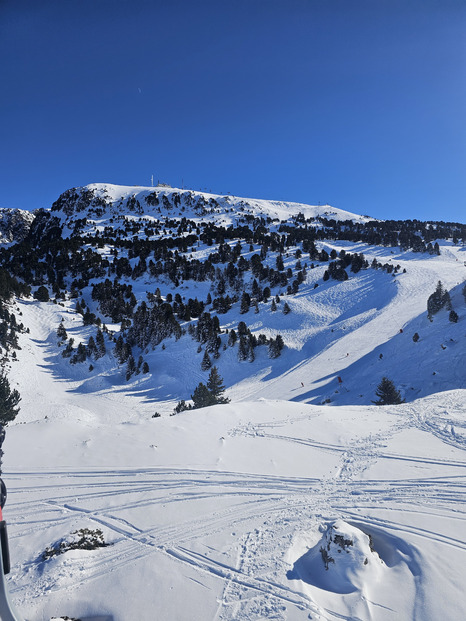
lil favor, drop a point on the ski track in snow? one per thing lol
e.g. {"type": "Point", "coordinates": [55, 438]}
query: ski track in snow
{"type": "Point", "coordinates": [255, 584]}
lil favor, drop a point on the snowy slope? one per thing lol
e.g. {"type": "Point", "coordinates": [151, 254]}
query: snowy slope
{"type": "Point", "coordinates": [281, 210]}
{"type": "Point", "coordinates": [221, 513]}
{"type": "Point", "coordinates": [297, 500]}
{"type": "Point", "coordinates": [339, 329]}
{"type": "Point", "coordinates": [99, 202]}
{"type": "Point", "coordinates": [342, 329]}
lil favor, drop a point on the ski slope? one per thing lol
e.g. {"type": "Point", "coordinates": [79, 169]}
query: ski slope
{"type": "Point", "coordinates": [297, 500]}
{"type": "Point", "coordinates": [220, 513]}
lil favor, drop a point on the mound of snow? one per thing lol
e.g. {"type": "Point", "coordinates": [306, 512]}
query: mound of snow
{"type": "Point", "coordinates": [343, 561]}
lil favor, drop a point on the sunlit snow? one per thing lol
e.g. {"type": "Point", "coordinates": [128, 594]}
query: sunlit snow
{"type": "Point", "coordinates": [221, 513]}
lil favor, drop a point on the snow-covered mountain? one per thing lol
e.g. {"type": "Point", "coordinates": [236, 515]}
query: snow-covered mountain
{"type": "Point", "coordinates": [14, 224]}
{"type": "Point", "coordinates": [97, 199]}
{"type": "Point", "coordinates": [299, 498]}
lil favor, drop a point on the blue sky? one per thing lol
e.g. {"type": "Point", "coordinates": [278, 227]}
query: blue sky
{"type": "Point", "coordinates": [359, 104]}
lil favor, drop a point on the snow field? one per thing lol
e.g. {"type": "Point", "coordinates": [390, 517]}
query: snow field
{"type": "Point", "coordinates": [207, 511]}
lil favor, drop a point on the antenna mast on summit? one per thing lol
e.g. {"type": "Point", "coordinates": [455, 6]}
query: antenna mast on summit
{"type": "Point", "coordinates": [152, 180]}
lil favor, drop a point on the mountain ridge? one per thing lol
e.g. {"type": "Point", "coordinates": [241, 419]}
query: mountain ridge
{"type": "Point", "coordinates": [141, 199]}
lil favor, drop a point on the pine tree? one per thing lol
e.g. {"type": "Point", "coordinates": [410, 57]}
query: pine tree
{"type": "Point", "coordinates": [42, 294]}
{"type": "Point", "coordinates": [100, 344]}
{"type": "Point", "coordinates": [9, 400]}
{"type": "Point", "coordinates": [243, 348]}
{"type": "Point", "coordinates": [66, 353]}
{"type": "Point", "coordinates": [232, 338]}
{"type": "Point", "coordinates": [206, 362]}
{"type": "Point", "coordinates": [286, 309]}
{"type": "Point", "coordinates": [216, 387]}
{"type": "Point", "coordinates": [118, 349]}
{"type": "Point", "coordinates": [181, 406]}
{"type": "Point", "coordinates": [202, 397]}
{"type": "Point", "coordinates": [80, 355]}
{"type": "Point", "coordinates": [274, 348]}
{"type": "Point", "coordinates": [453, 316]}
{"type": "Point", "coordinates": [438, 300]}
{"type": "Point", "coordinates": [61, 332]}
{"type": "Point", "coordinates": [91, 347]}
{"type": "Point", "coordinates": [280, 342]}
{"type": "Point", "coordinates": [245, 303]}
{"type": "Point", "coordinates": [387, 393]}
{"type": "Point", "coordinates": [130, 367]}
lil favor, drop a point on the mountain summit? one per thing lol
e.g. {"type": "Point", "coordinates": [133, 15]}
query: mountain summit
{"type": "Point", "coordinates": [164, 200]}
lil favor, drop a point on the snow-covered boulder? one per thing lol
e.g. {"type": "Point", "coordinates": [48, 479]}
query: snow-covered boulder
{"type": "Point", "coordinates": [343, 561]}
{"type": "Point", "coordinates": [347, 554]}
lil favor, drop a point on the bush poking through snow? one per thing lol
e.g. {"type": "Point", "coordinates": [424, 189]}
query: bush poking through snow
{"type": "Point", "coordinates": [82, 539]}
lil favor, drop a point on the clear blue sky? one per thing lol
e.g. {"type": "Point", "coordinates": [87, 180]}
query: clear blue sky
{"type": "Point", "coordinates": [356, 103]}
